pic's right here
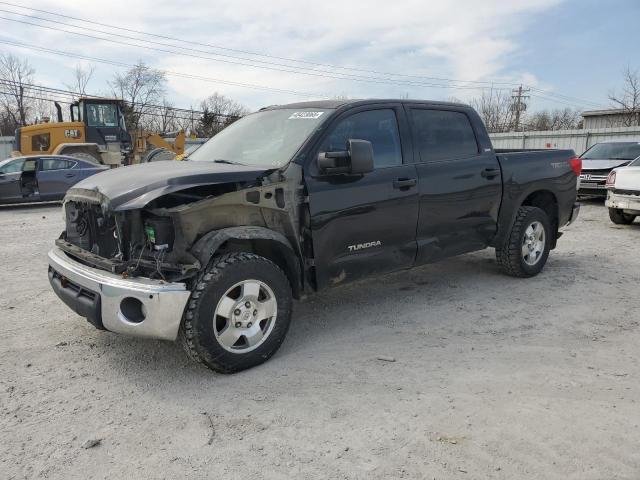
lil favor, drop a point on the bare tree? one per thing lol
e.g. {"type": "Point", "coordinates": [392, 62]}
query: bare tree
{"type": "Point", "coordinates": [164, 117]}
{"type": "Point", "coordinates": [16, 77]}
{"type": "Point", "coordinates": [495, 109]}
{"type": "Point", "coordinates": [42, 106]}
{"type": "Point", "coordinates": [81, 78]}
{"type": "Point", "coordinates": [218, 112]}
{"type": "Point", "coordinates": [141, 87]}
{"type": "Point", "coordinates": [628, 100]}
{"type": "Point", "coordinates": [558, 119]}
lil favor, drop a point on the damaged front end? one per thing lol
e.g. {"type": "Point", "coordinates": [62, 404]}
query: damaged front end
{"type": "Point", "coordinates": [129, 243]}
{"type": "Point", "coordinates": [148, 228]}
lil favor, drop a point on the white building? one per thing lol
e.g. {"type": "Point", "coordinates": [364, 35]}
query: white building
{"type": "Point", "coordinates": [610, 118]}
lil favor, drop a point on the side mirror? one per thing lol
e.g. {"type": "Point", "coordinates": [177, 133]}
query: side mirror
{"type": "Point", "coordinates": [358, 159]}
{"type": "Point", "coordinates": [361, 153]}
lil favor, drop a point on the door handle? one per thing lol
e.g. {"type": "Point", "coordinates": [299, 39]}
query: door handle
{"type": "Point", "coordinates": [404, 182]}
{"type": "Point", "coordinates": [69, 175]}
{"type": "Point", "coordinates": [490, 172]}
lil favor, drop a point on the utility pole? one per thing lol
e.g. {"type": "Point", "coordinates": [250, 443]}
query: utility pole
{"type": "Point", "coordinates": [519, 104]}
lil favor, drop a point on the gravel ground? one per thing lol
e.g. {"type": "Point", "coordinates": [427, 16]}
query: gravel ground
{"type": "Point", "coordinates": [494, 377]}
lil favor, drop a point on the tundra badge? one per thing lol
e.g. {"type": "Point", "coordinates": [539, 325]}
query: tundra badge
{"type": "Point", "coordinates": [360, 246]}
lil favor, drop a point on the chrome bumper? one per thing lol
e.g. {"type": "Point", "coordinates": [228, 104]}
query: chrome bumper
{"type": "Point", "coordinates": [138, 306]}
{"type": "Point", "coordinates": [623, 202]}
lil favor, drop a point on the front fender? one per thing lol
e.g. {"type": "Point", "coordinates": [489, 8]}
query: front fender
{"type": "Point", "coordinates": [207, 246]}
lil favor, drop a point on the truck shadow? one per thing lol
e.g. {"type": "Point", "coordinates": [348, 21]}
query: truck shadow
{"type": "Point", "coordinates": [385, 307]}
{"type": "Point", "coordinates": [31, 206]}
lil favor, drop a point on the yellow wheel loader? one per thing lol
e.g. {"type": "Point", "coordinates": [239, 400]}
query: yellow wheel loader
{"type": "Point", "coordinates": [96, 132]}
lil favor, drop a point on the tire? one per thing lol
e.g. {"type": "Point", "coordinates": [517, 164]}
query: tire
{"type": "Point", "coordinates": [83, 156]}
{"type": "Point", "coordinates": [525, 252]}
{"type": "Point", "coordinates": [618, 217]}
{"type": "Point", "coordinates": [159, 155]}
{"type": "Point", "coordinates": [227, 286]}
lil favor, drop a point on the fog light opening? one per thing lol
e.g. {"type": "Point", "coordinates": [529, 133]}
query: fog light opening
{"type": "Point", "coordinates": [132, 309]}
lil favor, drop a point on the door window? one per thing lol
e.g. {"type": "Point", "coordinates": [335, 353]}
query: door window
{"type": "Point", "coordinates": [40, 143]}
{"type": "Point", "coordinates": [12, 167]}
{"type": "Point", "coordinates": [30, 165]}
{"type": "Point", "coordinates": [442, 135]}
{"type": "Point", "coordinates": [56, 164]}
{"type": "Point", "coordinates": [379, 127]}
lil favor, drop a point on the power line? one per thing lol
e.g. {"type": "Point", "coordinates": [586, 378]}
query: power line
{"type": "Point", "coordinates": [313, 73]}
{"type": "Point", "coordinates": [144, 114]}
{"type": "Point", "coordinates": [326, 65]}
{"type": "Point", "coordinates": [56, 92]}
{"type": "Point", "coordinates": [166, 72]}
{"type": "Point", "coordinates": [553, 96]}
{"type": "Point", "coordinates": [69, 93]}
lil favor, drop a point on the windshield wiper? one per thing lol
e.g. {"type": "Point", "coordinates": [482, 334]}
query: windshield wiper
{"type": "Point", "coordinates": [228, 162]}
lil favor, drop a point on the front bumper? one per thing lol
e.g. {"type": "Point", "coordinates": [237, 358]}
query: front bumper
{"type": "Point", "coordinates": [139, 306]}
{"type": "Point", "coordinates": [592, 188]}
{"type": "Point", "coordinates": [627, 203]}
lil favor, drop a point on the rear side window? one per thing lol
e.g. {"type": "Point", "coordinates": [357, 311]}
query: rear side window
{"type": "Point", "coordinates": [442, 135]}
{"type": "Point", "coordinates": [56, 164]}
{"type": "Point", "coordinates": [379, 127]}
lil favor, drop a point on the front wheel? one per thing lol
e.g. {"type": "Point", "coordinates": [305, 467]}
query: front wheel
{"type": "Point", "coordinates": [526, 249]}
{"type": "Point", "coordinates": [238, 314]}
{"type": "Point", "coordinates": [618, 217]}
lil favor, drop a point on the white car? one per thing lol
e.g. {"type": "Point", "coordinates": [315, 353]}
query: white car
{"type": "Point", "coordinates": [623, 193]}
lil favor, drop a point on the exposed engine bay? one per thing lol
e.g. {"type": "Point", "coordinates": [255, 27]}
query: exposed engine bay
{"type": "Point", "coordinates": [156, 240]}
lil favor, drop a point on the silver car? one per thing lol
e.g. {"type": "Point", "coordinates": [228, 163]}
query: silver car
{"type": "Point", "coordinates": [42, 178]}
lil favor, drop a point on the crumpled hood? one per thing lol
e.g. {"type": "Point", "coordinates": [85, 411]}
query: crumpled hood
{"type": "Point", "coordinates": [132, 187]}
{"type": "Point", "coordinates": [588, 164]}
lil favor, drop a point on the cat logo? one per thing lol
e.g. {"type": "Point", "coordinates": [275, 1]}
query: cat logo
{"type": "Point", "coordinates": [360, 246]}
{"type": "Point", "coordinates": [72, 133]}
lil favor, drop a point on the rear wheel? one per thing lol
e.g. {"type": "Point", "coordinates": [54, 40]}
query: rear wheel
{"type": "Point", "coordinates": [618, 217]}
{"type": "Point", "coordinates": [526, 249]}
{"type": "Point", "coordinates": [238, 314]}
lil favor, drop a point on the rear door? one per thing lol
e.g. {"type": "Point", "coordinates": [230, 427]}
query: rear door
{"type": "Point", "coordinates": [460, 185]}
{"type": "Point", "coordinates": [365, 224]}
{"type": "Point", "coordinates": [10, 174]}
{"type": "Point", "coordinates": [55, 176]}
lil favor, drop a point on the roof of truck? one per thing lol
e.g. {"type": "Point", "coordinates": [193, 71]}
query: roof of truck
{"type": "Point", "coordinates": [355, 102]}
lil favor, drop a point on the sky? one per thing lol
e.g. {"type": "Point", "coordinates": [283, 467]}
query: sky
{"type": "Point", "coordinates": [567, 52]}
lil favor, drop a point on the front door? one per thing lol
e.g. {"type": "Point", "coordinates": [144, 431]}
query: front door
{"type": "Point", "coordinates": [10, 174]}
{"type": "Point", "coordinates": [460, 184]}
{"type": "Point", "coordinates": [364, 224]}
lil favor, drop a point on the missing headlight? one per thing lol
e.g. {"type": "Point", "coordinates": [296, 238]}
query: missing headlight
{"type": "Point", "coordinates": [160, 233]}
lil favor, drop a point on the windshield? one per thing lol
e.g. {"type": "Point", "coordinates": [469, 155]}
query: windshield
{"type": "Point", "coordinates": [102, 115]}
{"type": "Point", "coordinates": [267, 139]}
{"type": "Point", "coordinates": [11, 165]}
{"type": "Point", "coordinates": [613, 151]}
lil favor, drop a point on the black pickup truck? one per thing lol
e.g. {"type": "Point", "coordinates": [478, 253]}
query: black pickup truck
{"type": "Point", "coordinates": [294, 199]}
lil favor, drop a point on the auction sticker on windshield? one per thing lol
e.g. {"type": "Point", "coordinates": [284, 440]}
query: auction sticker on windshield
{"type": "Point", "coordinates": [309, 115]}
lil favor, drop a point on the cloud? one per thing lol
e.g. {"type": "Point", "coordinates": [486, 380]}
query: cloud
{"type": "Point", "coordinates": [464, 39]}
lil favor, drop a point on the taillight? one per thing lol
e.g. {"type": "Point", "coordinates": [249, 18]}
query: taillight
{"type": "Point", "coordinates": [576, 165]}
{"type": "Point", "coordinates": [611, 180]}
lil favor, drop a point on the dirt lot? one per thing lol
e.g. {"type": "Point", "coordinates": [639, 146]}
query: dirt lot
{"type": "Point", "coordinates": [494, 377]}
